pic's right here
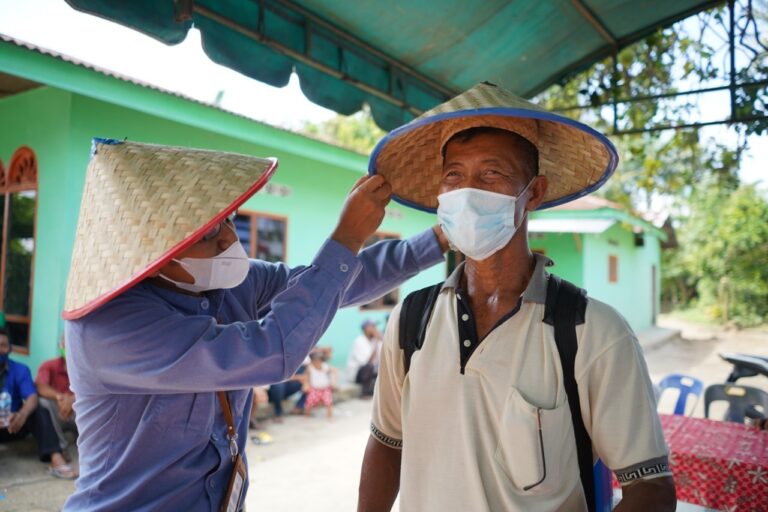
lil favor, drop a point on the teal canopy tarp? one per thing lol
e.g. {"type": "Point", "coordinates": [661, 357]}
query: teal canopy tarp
{"type": "Point", "coordinates": [401, 57]}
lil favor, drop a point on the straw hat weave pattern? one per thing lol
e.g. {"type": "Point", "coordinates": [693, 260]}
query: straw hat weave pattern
{"type": "Point", "coordinates": [576, 159]}
{"type": "Point", "coordinates": [143, 204]}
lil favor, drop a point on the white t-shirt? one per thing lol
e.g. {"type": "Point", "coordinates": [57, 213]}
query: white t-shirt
{"type": "Point", "coordinates": [471, 441]}
{"type": "Point", "coordinates": [362, 348]}
{"type": "Point", "coordinates": [319, 379]}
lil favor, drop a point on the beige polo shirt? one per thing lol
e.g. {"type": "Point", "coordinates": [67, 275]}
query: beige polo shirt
{"type": "Point", "coordinates": [468, 426]}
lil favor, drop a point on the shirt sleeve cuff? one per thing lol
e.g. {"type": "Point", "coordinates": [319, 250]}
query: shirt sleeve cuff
{"type": "Point", "coordinates": [649, 469]}
{"type": "Point", "coordinates": [384, 439]}
{"type": "Point", "coordinates": [426, 249]}
{"type": "Point", "coordinates": [338, 261]}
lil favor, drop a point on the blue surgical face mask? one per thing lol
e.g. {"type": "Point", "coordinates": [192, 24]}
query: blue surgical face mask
{"type": "Point", "coordinates": [478, 222]}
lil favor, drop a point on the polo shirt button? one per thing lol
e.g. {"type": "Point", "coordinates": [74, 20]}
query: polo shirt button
{"type": "Point", "coordinates": [465, 317]}
{"type": "Point", "coordinates": [467, 343]}
{"type": "Point", "coordinates": [343, 267]}
{"type": "Point", "coordinates": [204, 303]}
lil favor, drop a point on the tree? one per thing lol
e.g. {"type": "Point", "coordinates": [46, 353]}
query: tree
{"type": "Point", "coordinates": [727, 265]}
{"type": "Point", "coordinates": [357, 132]}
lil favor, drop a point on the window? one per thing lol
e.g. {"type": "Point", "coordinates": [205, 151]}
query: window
{"type": "Point", "coordinates": [263, 236]}
{"type": "Point", "coordinates": [391, 299]}
{"type": "Point", "coordinates": [613, 268]}
{"type": "Point", "coordinates": [18, 204]}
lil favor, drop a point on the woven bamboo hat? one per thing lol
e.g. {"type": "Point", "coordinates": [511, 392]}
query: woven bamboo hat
{"type": "Point", "coordinates": [142, 205]}
{"type": "Point", "coordinates": [576, 159]}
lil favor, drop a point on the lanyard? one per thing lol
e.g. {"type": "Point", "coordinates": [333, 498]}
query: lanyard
{"type": "Point", "coordinates": [231, 432]}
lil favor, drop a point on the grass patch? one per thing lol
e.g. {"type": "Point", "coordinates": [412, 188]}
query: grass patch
{"type": "Point", "coordinates": [694, 316]}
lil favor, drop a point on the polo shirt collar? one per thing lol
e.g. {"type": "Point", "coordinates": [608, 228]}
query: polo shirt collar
{"type": "Point", "coordinates": [536, 291]}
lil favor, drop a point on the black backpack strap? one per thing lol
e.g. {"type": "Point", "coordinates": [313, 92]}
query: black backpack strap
{"type": "Point", "coordinates": [414, 317]}
{"type": "Point", "coordinates": [565, 309]}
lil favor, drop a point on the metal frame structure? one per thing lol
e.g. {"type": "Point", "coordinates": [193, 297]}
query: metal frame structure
{"type": "Point", "coordinates": [732, 86]}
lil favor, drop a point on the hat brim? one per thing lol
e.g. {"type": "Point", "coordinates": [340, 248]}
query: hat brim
{"type": "Point", "coordinates": [568, 129]}
{"type": "Point", "coordinates": [158, 263]}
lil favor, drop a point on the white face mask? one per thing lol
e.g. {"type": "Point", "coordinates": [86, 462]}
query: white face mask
{"type": "Point", "coordinates": [477, 222]}
{"type": "Point", "coordinates": [226, 270]}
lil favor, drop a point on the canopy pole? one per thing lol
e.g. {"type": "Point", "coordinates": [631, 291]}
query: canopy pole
{"type": "Point", "coordinates": [732, 51]}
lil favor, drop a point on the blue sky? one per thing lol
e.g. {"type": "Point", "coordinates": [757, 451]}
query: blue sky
{"type": "Point", "coordinates": [185, 68]}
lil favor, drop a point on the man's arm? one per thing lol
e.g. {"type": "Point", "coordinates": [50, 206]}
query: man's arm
{"type": "Point", "coordinates": [379, 478]}
{"type": "Point", "coordinates": [655, 494]}
{"type": "Point", "coordinates": [17, 419]}
{"type": "Point", "coordinates": [619, 409]}
{"type": "Point", "coordinates": [63, 400]}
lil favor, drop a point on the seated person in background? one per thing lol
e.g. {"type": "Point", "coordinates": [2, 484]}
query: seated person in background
{"type": "Point", "coordinates": [363, 362]}
{"type": "Point", "coordinates": [259, 397]}
{"type": "Point", "coordinates": [55, 397]}
{"type": "Point", "coordinates": [16, 379]}
{"type": "Point", "coordinates": [282, 390]}
{"type": "Point", "coordinates": [321, 378]}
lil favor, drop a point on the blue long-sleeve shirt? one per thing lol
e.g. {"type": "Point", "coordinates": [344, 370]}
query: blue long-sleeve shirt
{"type": "Point", "coordinates": [145, 368]}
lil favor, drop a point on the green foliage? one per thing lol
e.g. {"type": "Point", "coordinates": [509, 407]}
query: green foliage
{"type": "Point", "coordinates": [724, 251]}
{"type": "Point", "coordinates": [357, 132]}
{"type": "Point", "coordinates": [721, 264]}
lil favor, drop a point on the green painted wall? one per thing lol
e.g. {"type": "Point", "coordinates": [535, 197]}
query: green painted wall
{"type": "Point", "coordinates": [40, 119]}
{"type": "Point", "coordinates": [566, 251]}
{"type": "Point", "coordinates": [318, 191]}
{"type": "Point", "coordinates": [632, 294]}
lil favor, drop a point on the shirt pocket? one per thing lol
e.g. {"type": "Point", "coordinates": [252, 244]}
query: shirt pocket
{"type": "Point", "coordinates": [185, 414]}
{"type": "Point", "coordinates": [536, 447]}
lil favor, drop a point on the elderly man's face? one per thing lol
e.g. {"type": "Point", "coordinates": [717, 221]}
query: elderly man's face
{"type": "Point", "coordinates": [490, 161]}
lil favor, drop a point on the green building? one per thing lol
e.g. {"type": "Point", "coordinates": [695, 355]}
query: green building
{"type": "Point", "coordinates": [51, 107]}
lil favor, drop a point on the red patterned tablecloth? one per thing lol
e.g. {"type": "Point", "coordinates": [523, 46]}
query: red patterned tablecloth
{"type": "Point", "coordinates": [716, 464]}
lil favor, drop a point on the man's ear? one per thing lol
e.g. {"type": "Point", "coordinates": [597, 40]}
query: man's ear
{"type": "Point", "coordinates": [537, 192]}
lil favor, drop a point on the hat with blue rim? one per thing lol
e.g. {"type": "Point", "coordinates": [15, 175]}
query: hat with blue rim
{"type": "Point", "coordinates": [575, 158]}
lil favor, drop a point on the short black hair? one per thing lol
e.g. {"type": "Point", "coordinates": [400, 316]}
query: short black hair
{"type": "Point", "coordinates": [530, 152]}
{"type": "Point", "coordinates": [4, 332]}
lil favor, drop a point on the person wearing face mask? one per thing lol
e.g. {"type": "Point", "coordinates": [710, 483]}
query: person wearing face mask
{"type": "Point", "coordinates": [476, 413]}
{"type": "Point", "coordinates": [169, 325]}
{"type": "Point", "coordinates": [25, 416]}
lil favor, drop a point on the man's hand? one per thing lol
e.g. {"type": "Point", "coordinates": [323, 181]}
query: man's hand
{"type": "Point", "coordinates": [16, 421]}
{"type": "Point", "coordinates": [441, 238]}
{"type": "Point", "coordinates": [363, 212]}
{"type": "Point", "coordinates": [65, 401]}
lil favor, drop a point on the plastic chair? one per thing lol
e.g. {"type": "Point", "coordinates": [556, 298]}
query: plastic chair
{"type": "Point", "coordinates": [739, 399]}
{"type": "Point", "coordinates": [687, 385]}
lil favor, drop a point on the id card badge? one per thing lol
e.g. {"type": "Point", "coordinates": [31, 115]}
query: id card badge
{"type": "Point", "coordinates": [234, 495]}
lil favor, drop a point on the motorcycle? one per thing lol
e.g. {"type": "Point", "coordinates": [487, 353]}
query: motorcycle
{"type": "Point", "coordinates": [747, 365]}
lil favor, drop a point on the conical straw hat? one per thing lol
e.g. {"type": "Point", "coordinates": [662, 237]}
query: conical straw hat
{"type": "Point", "coordinates": [143, 204]}
{"type": "Point", "coordinates": [576, 159]}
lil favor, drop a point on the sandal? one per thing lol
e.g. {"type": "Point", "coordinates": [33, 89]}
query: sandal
{"type": "Point", "coordinates": [262, 438]}
{"type": "Point", "coordinates": [63, 471]}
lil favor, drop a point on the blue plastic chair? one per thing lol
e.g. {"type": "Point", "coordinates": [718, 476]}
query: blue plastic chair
{"type": "Point", "coordinates": [687, 385]}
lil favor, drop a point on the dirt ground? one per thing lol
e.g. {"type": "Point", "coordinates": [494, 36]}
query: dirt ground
{"type": "Point", "coordinates": [313, 464]}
